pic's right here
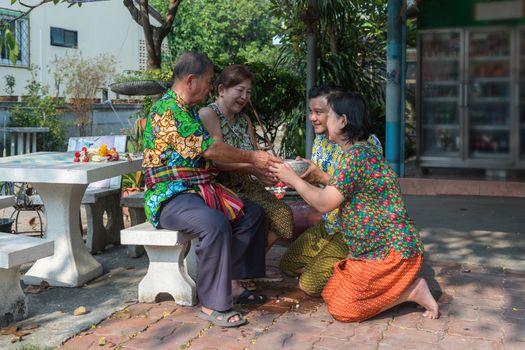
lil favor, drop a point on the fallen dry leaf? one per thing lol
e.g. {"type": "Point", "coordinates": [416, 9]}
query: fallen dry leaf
{"type": "Point", "coordinates": [16, 339]}
{"type": "Point", "coordinates": [102, 341]}
{"type": "Point", "coordinates": [81, 310]}
{"type": "Point", "coordinates": [9, 330]}
{"type": "Point", "coordinates": [32, 223]}
{"type": "Point", "coordinates": [31, 289]}
{"type": "Point", "coordinates": [21, 334]}
{"type": "Point", "coordinates": [122, 315]}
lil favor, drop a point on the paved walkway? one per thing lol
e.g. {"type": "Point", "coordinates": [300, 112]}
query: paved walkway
{"type": "Point", "coordinates": [480, 309]}
{"type": "Point", "coordinates": [475, 268]}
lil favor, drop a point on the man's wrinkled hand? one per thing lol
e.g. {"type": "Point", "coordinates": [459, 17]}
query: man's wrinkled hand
{"type": "Point", "coordinates": [263, 160]}
{"type": "Point", "coordinates": [266, 177]}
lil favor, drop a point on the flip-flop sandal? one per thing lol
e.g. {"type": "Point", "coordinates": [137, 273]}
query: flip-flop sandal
{"type": "Point", "coordinates": [248, 284]}
{"type": "Point", "coordinates": [268, 279]}
{"type": "Point", "coordinates": [272, 275]}
{"type": "Point", "coordinates": [249, 298]}
{"type": "Point", "coordinates": [223, 322]}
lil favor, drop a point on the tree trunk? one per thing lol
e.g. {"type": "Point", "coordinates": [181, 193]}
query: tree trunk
{"type": "Point", "coordinates": [153, 48]}
{"type": "Point", "coordinates": [153, 60]}
{"type": "Point", "coordinates": [333, 39]}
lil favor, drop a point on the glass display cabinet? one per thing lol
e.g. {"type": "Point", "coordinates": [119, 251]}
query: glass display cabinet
{"type": "Point", "coordinates": [521, 98]}
{"type": "Point", "coordinates": [440, 93]}
{"type": "Point", "coordinates": [471, 106]}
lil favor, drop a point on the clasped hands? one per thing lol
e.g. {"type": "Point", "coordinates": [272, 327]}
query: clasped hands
{"type": "Point", "coordinates": [269, 169]}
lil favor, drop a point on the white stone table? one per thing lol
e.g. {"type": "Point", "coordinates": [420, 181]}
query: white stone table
{"type": "Point", "coordinates": [61, 183]}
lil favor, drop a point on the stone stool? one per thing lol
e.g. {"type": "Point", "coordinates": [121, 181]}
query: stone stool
{"type": "Point", "coordinates": [167, 272]}
{"type": "Point", "coordinates": [14, 251]}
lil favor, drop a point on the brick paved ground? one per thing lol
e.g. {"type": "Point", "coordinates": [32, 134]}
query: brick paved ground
{"type": "Point", "coordinates": [480, 309]}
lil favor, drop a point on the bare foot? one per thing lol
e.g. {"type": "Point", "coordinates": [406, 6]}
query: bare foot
{"type": "Point", "coordinates": [232, 319]}
{"type": "Point", "coordinates": [421, 294]}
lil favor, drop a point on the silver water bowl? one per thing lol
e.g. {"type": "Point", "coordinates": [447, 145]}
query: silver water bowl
{"type": "Point", "coordinates": [299, 166]}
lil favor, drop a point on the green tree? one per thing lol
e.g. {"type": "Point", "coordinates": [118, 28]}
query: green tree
{"type": "Point", "coordinates": [39, 110]}
{"type": "Point", "coordinates": [227, 31]}
{"type": "Point", "coordinates": [276, 96]}
{"type": "Point", "coordinates": [153, 35]}
{"type": "Point", "coordinates": [243, 32]}
{"type": "Point", "coordinates": [351, 45]}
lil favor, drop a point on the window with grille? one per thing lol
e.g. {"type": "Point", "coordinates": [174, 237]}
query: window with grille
{"type": "Point", "coordinates": [64, 37]}
{"type": "Point", "coordinates": [20, 29]}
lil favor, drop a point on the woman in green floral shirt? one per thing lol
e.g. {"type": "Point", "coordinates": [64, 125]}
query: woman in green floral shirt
{"type": "Point", "coordinates": [385, 250]}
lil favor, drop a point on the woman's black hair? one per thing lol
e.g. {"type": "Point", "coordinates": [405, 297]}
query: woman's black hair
{"type": "Point", "coordinates": [324, 90]}
{"type": "Point", "coordinates": [357, 111]}
{"type": "Point", "coordinates": [191, 63]}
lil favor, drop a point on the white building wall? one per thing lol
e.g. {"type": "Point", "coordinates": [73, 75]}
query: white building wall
{"type": "Point", "coordinates": [103, 27]}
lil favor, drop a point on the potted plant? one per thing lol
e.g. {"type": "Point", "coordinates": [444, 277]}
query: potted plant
{"type": "Point", "coordinates": [9, 89]}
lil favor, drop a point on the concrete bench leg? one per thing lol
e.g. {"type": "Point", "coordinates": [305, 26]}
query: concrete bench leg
{"type": "Point", "coordinates": [191, 259]}
{"type": "Point", "coordinates": [167, 274]}
{"type": "Point", "coordinates": [137, 216]}
{"type": "Point", "coordinates": [13, 303]}
{"type": "Point", "coordinates": [100, 235]}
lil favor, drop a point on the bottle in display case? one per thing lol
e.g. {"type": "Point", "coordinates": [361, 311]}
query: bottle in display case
{"type": "Point", "coordinates": [440, 92]}
{"type": "Point", "coordinates": [489, 97]}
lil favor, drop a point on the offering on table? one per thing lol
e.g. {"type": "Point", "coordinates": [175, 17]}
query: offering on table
{"type": "Point", "coordinates": [101, 154]}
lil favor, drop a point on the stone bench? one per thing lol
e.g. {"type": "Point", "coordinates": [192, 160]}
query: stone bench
{"type": "Point", "coordinates": [102, 199]}
{"type": "Point", "coordinates": [16, 250]}
{"type": "Point", "coordinates": [135, 205]}
{"type": "Point", "coordinates": [23, 139]}
{"type": "Point", "coordinates": [7, 201]}
{"type": "Point", "coordinates": [98, 201]}
{"type": "Point", "coordinates": [167, 271]}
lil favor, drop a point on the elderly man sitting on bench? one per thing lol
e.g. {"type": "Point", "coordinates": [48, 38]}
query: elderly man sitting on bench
{"type": "Point", "coordinates": [182, 193]}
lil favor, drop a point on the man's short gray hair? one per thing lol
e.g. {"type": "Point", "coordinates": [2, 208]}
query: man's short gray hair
{"type": "Point", "coordinates": [191, 63]}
